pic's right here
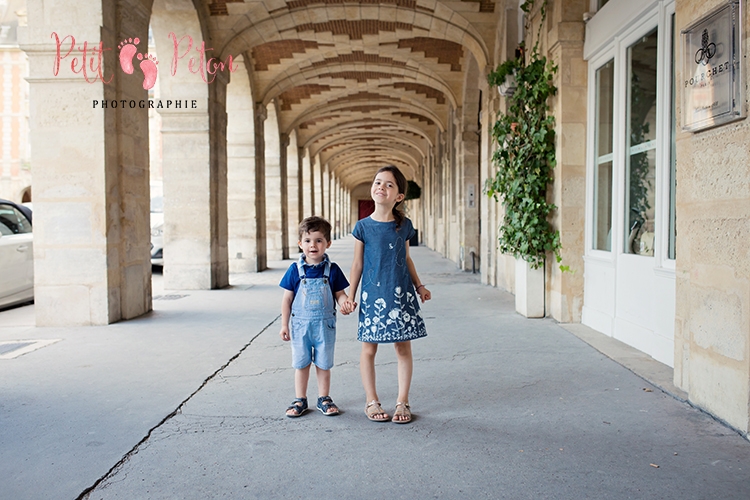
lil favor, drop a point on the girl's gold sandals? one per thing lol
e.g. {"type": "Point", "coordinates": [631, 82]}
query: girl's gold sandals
{"type": "Point", "coordinates": [403, 411]}
{"type": "Point", "coordinates": [375, 412]}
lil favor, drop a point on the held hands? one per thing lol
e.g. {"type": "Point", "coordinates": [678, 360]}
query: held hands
{"type": "Point", "coordinates": [347, 306]}
{"type": "Point", "coordinates": [284, 333]}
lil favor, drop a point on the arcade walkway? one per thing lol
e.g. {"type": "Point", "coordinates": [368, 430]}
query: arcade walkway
{"type": "Point", "coordinates": [188, 402]}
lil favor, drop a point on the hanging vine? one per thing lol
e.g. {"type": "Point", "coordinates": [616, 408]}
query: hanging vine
{"type": "Point", "coordinates": [525, 156]}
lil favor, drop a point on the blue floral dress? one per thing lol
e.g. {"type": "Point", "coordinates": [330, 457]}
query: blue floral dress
{"type": "Point", "coordinates": [389, 305]}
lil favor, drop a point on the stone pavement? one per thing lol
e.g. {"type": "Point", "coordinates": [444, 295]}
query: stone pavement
{"type": "Point", "coordinates": [188, 403]}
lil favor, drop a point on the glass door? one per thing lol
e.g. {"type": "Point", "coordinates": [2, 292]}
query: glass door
{"type": "Point", "coordinates": [640, 161]}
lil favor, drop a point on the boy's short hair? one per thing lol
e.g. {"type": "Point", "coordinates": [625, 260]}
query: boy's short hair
{"type": "Point", "coordinates": [315, 223]}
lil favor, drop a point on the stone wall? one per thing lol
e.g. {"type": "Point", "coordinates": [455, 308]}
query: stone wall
{"type": "Point", "coordinates": [712, 323]}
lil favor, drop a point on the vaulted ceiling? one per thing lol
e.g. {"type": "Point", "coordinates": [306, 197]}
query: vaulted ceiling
{"type": "Point", "coordinates": [363, 84]}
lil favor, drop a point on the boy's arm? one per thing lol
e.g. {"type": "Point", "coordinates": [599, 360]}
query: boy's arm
{"type": "Point", "coordinates": [343, 301]}
{"type": "Point", "coordinates": [424, 293]}
{"type": "Point", "coordinates": [356, 273]}
{"type": "Point", "coordinates": [286, 312]}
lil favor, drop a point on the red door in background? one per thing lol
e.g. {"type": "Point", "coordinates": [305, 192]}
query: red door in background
{"type": "Point", "coordinates": [366, 207]}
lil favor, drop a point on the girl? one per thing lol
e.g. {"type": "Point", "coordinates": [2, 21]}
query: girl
{"type": "Point", "coordinates": [389, 311]}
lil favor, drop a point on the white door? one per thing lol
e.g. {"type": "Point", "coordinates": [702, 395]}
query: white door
{"type": "Point", "coordinates": [629, 290]}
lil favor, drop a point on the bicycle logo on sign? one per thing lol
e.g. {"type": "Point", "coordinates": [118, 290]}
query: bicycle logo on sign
{"type": "Point", "coordinates": [707, 50]}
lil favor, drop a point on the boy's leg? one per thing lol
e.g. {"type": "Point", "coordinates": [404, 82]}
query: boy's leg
{"type": "Point", "coordinates": [301, 376]}
{"type": "Point", "coordinates": [405, 368]}
{"type": "Point", "coordinates": [327, 406]}
{"type": "Point", "coordinates": [324, 381]}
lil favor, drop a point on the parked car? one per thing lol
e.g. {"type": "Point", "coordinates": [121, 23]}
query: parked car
{"type": "Point", "coordinates": [16, 254]}
{"type": "Point", "coordinates": [157, 231]}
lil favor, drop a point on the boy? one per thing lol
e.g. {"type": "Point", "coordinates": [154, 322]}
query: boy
{"type": "Point", "coordinates": [310, 286]}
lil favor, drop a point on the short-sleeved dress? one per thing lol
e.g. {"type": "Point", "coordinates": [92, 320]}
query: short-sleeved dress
{"type": "Point", "coordinates": [389, 305]}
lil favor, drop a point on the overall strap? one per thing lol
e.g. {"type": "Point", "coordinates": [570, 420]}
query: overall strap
{"type": "Point", "coordinates": [327, 270]}
{"type": "Point", "coordinates": [301, 266]}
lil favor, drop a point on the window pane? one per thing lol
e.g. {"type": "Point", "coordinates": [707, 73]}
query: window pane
{"type": "Point", "coordinates": [24, 226]}
{"type": "Point", "coordinates": [640, 165]}
{"type": "Point", "coordinates": [603, 170]}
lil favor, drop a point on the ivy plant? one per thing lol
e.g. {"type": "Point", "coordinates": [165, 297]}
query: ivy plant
{"type": "Point", "coordinates": [525, 158]}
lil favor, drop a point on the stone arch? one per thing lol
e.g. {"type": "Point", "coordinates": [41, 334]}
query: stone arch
{"type": "Point", "coordinates": [26, 194]}
{"type": "Point", "coordinates": [437, 21]}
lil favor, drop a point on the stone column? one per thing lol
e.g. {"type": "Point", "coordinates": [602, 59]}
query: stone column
{"type": "Point", "coordinates": [274, 186]}
{"type": "Point", "coordinates": [316, 187]}
{"type": "Point", "coordinates": [565, 42]}
{"type": "Point", "coordinates": [326, 190]}
{"type": "Point", "coordinates": [293, 195]}
{"type": "Point", "coordinates": [469, 182]}
{"type": "Point", "coordinates": [306, 186]}
{"type": "Point", "coordinates": [218, 182]}
{"type": "Point", "coordinates": [488, 207]}
{"type": "Point", "coordinates": [91, 188]}
{"type": "Point", "coordinates": [243, 255]}
{"type": "Point", "coordinates": [193, 162]}
{"type": "Point", "coordinates": [260, 187]}
{"type": "Point", "coordinates": [284, 192]}
{"type": "Point", "coordinates": [335, 211]}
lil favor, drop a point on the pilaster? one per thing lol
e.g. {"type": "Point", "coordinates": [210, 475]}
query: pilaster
{"type": "Point", "coordinates": [91, 188]}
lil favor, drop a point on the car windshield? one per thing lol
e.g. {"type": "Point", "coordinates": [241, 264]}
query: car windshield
{"type": "Point", "coordinates": [157, 204]}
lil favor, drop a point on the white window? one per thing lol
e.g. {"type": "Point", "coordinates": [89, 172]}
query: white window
{"type": "Point", "coordinates": [632, 134]}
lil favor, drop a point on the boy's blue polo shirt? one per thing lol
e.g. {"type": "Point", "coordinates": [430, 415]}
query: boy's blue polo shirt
{"type": "Point", "coordinates": [337, 280]}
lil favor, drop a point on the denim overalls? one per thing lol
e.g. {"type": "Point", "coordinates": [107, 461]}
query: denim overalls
{"type": "Point", "coordinates": [313, 319]}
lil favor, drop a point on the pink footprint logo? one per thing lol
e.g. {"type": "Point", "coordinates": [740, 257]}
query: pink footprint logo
{"type": "Point", "coordinates": [127, 51]}
{"type": "Point", "coordinates": [148, 66]}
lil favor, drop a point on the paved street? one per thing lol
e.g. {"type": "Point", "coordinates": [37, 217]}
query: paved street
{"type": "Point", "coordinates": [188, 403]}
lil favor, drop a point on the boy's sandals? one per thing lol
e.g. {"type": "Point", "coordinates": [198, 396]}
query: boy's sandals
{"type": "Point", "coordinates": [403, 411]}
{"type": "Point", "coordinates": [327, 406]}
{"type": "Point", "coordinates": [375, 412]}
{"type": "Point", "coordinates": [297, 408]}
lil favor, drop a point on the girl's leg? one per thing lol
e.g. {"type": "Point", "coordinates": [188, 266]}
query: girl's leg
{"type": "Point", "coordinates": [367, 370]}
{"type": "Point", "coordinates": [405, 368]}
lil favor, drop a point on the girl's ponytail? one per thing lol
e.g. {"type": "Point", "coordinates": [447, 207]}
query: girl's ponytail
{"type": "Point", "coordinates": [401, 183]}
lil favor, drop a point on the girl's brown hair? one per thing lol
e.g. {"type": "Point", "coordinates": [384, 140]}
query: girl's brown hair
{"type": "Point", "coordinates": [401, 183]}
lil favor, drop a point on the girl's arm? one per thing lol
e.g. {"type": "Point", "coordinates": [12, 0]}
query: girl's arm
{"type": "Point", "coordinates": [424, 293]}
{"type": "Point", "coordinates": [286, 312]}
{"type": "Point", "coordinates": [356, 273]}
{"type": "Point", "coordinates": [343, 301]}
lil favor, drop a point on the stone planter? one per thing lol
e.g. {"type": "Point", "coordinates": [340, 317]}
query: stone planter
{"type": "Point", "coordinates": [529, 290]}
{"type": "Point", "coordinates": [508, 87]}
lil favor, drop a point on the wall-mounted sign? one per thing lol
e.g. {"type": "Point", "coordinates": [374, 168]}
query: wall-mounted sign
{"type": "Point", "coordinates": [712, 70]}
